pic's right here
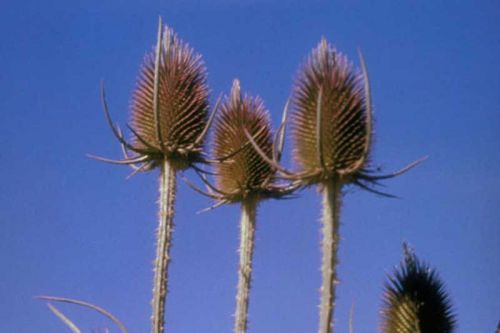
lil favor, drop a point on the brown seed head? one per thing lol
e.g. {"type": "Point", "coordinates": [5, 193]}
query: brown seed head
{"type": "Point", "coordinates": [246, 173]}
{"type": "Point", "coordinates": [182, 103]}
{"type": "Point", "coordinates": [336, 143]}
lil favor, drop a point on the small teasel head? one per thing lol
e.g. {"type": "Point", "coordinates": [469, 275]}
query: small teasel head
{"type": "Point", "coordinates": [331, 120]}
{"type": "Point", "coordinates": [245, 155]}
{"type": "Point", "coordinates": [174, 128]}
{"type": "Point", "coordinates": [415, 300]}
{"type": "Point", "coordinates": [169, 108]}
{"type": "Point", "coordinates": [246, 173]}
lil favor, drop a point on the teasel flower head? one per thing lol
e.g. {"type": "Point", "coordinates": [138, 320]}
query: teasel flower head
{"type": "Point", "coordinates": [332, 120]}
{"type": "Point", "coordinates": [243, 131]}
{"type": "Point", "coordinates": [246, 151]}
{"type": "Point", "coordinates": [415, 300]}
{"type": "Point", "coordinates": [331, 123]}
{"type": "Point", "coordinates": [246, 172]}
{"type": "Point", "coordinates": [169, 109]}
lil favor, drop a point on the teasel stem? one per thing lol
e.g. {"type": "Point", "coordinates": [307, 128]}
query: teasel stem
{"type": "Point", "coordinates": [247, 236]}
{"type": "Point", "coordinates": [331, 190]}
{"type": "Point", "coordinates": [164, 241]}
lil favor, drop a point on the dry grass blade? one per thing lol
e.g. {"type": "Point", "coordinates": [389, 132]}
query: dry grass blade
{"type": "Point", "coordinates": [72, 326]}
{"type": "Point", "coordinates": [351, 319]}
{"type": "Point", "coordinates": [91, 306]}
{"type": "Point", "coordinates": [99, 330]}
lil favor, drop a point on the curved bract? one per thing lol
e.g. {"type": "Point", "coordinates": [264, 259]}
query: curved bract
{"type": "Point", "coordinates": [182, 102]}
{"type": "Point", "coordinates": [415, 300]}
{"type": "Point", "coordinates": [331, 121]}
{"type": "Point", "coordinates": [246, 172]}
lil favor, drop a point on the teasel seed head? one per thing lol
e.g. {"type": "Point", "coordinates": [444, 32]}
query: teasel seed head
{"type": "Point", "coordinates": [169, 109]}
{"type": "Point", "coordinates": [331, 120]}
{"type": "Point", "coordinates": [415, 300]}
{"type": "Point", "coordinates": [245, 155]}
{"type": "Point", "coordinates": [182, 103]}
{"type": "Point", "coordinates": [246, 173]}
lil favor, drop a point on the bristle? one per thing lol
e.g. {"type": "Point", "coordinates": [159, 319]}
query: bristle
{"type": "Point", "coordinates": [182, 98]}
{"type": "Point", "coordinates": [415, 300]}
{"type": "Point", "coordinates": [344, 130]}
{"type": "Point", "coordinates": [247, 171]}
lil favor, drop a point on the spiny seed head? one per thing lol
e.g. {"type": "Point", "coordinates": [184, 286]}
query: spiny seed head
{"type": "Point", "coordinates": [415, 300]}
{"type": "Point", "coordinates": [339, 146]}
{"type": "Point", "coordinates": [182, 102]}
{"type": "Point", "coordinates": [245, 173]}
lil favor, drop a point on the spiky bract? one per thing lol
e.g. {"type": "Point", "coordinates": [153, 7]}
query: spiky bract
{"type": "Point", "coordinates": [336, 143]}
{"type": "Point", "coordinates": [246, 172]}
{"type": "Point", "coordinates": [182, 103]}
{"type": "Point", "coordinates": [415, 300]}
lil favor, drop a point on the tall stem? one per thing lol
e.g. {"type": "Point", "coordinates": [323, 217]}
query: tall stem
{"type": "Point", "coordinates": [163, 243]}
{"type": "Point", "coordinates": [330, 229]}
{"type": "Point", "coordinates": [247, 235]}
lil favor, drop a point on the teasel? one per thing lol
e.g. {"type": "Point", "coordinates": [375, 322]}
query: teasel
{"type": "Point", "coordinates": [331, 125]}
{"type": "Point", "coordinates": [246, 177]}
{"type": "Point", "coordinates": [169, 122]}
{"type": "Point", "coordinates": [415, 300]}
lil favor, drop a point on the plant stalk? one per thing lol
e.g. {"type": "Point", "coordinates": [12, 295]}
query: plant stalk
{"type": "Point", "coordinates": [164, 240]}
{"type": "Point", "coordinates": [331, 190]}
{"type": "Point", "coordinates": [247, 236]}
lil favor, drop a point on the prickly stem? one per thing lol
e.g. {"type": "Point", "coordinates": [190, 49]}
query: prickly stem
{"type": "Point", "coordinates": [331, 190]}
{"type": "Point", "coordinates": [164, 238]}
{"type": "Point", "coordinates": [247, 235]}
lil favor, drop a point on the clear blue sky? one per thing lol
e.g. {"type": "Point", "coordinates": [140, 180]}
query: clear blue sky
{"type": "Point", "coordinates": [74, 227]}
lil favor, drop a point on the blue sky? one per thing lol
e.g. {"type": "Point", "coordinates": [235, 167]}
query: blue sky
{"type": "Point", "coordinates": [70, 226]}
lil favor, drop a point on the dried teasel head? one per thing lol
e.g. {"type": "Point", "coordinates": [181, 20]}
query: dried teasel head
{"type": "Point", "coordinates": [246, 155]}
{"type": "Point", "coordinates": [182, 99]}
{"type": "Point", "coordinates": [246, 173]}
{"type": "Point", "coordinates": [415, 300]}
{"type": "Point", "coordinates": [331, 121]}
{"type": "Point", "coordinates": [169, 108]}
